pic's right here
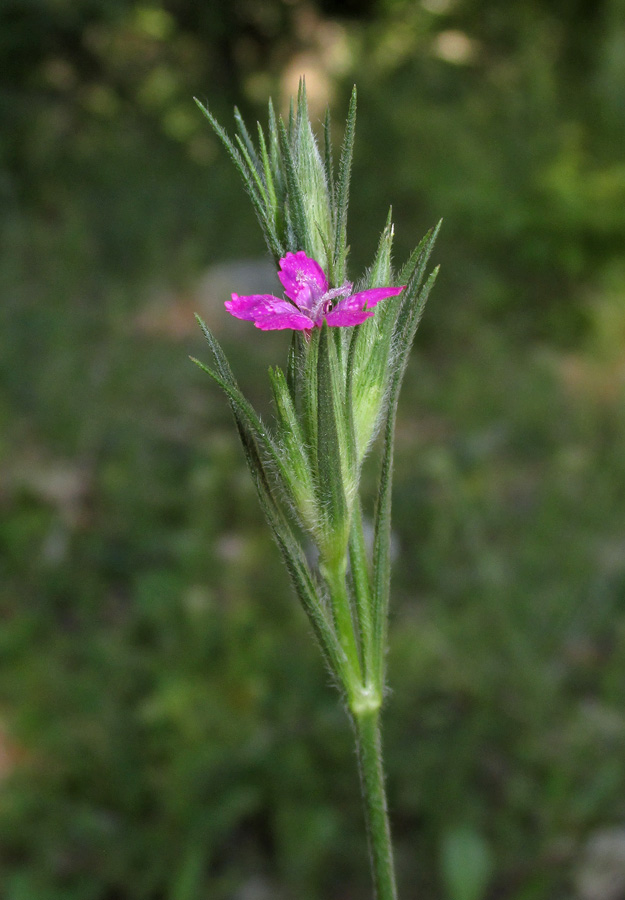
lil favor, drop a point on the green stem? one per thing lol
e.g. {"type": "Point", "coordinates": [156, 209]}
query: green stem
{"type": "Point", "coordinates": [369, 744]}
{"type": "Point", "coordinates": [343, 621]}
{"type": "Point", "coordinates": [362, 591]}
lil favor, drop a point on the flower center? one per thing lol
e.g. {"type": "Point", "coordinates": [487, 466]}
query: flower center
{"type": "Point", "coordinates": [324, 304]}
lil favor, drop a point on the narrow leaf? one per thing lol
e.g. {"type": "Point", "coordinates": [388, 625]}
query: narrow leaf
{"type": "Point", "coordinates": [380, 271]}
{"type": "Point", "coordinates": [247, 140]}
{"type": "Point", "coordinates": [257, 177]}
{"type": "Point", "coordinates": [350, 374]}
{"type": "Point", "coordinates": [294, 192]}
{"type": "Point", "coordinates": [329, 163]}
{"type": "Point", "coordinates": [296, 460]}
{"type": "Point", "coordinates": [226, 380]}
{"type": "Point", "coordinates": [419, 257]}
{"type": "Point", "coordinates": [331, 444]}
{"type": "Point", "coordinates": [267, 173]}
{"type": "Point", "coordinates": [306, 588]}
{"type": "Point", "coordinates": [310, 398]}
{"type": "Point", "coordinates": [361, 584]}
{"type": "Point", "coordinates": [291, 118]}
{"type": "Point", "coordinates": [247, 173]}
{"type": "Point", "coordinates": [247, 414]}
{"type": "Point", "coordinates": [342, 201]}
{"type": "Point", "coordinates": [303, 582]}
{"type": "Point", "coordinates": [408, 320]}
{"type": "Point", "coordinates": [301, 119]}
{"type": "Point", "coordinates": [234, 154]}
{"type": "Point", "coordinates": [382, 521]}
{"type": "Point", "coordinates": [275, 153]}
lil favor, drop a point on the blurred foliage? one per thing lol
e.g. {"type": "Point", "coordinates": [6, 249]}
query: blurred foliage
{"type": "Point", "coordinates": [506, 120]}
{"type": "Point", "coordinates": [166, 728]}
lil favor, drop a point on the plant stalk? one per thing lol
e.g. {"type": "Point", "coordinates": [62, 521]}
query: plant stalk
{"type": "Point", "coordinates": [369, 744]}
{"type": "Point", "coordinates": [341, 609]}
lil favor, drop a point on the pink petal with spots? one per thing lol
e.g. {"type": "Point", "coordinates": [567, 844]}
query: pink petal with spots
{"type": "Point", "coordinates": [296, 321]}
{"type": "Point", "coordinates": [347, 317]}
{"type": "Point", "coordinates": [249, 307]}
{"type": "Point", "coordinates": [303, 279]}
{"type": "Point", "coordinates": [373, 296]}
{"type": "Point", "coordinates": [352, 303]}
{"type": "Point", "coordinates": [268, 312]}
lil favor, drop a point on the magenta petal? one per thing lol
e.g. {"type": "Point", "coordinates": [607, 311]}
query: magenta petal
{"type": "Point", "coordinates": [373, 296]}
{"type": "Point", "coordinates": [252, 306]}
{"type": "Point", "coordinates": [303, 279]}
{"type": "Point", "coordinates": [354, 303]}
{"type": "Point", "coordinates": [346, 317]}
{"type": "Point", "coordinates": [296, 321]}
{"type": "Point", "coordinates": [268, 312]}
{"type": "Point", "coordinates": [307, 287]}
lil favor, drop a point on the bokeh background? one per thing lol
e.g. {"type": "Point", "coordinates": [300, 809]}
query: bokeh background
{"type": "Point", "coordinates": [167, 731]}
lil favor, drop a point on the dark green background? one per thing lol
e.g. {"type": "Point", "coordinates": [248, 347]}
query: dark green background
{"type": "Point", "coordinates": [167, 728]}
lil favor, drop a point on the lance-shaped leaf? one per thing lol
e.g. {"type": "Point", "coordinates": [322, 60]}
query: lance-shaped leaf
{"type": "Point", "coordinates": [250, 177]}
{"type": "Point", "coordinates": [247, 141]}
{"type": "Point", "coordinates": [310, 401]}
{"type": "Point", "coordinates": [226, 380]}
{"type": "Point", "coordinates": [335, 476]}
{"type": "Point", "coordinates": [275, 154]}
{"type": "Point", "coordinates": [370, 351]}
{"type": "Point", "coordinates": [311, 176]}
{"type": "Point", "coordinates": [295, 455]}
{"type": "Point", "coordinates": [267, 172]}
{"type": "Point", "coordinates": [405, 328]}
{"type": "Point", "coordinates": [361, 589]}
{"type": "Point", "coordinates": [308, 591]}
{"type": "Point", "coordinates": [256, 174]}
{"type": "Point", "coordinates": [342, 191]}
{"type": "Point", "coordinates": [295, 364]}
{"type": "Point", "coordinates": [282, 470]}
{"type": "Point", "coordinates": [328, 160]}
{"type": "Point", "coordinates": [303, 582]}
{"type": "Point", "coordinates": [295, 198]}
{"type": "Point", "coordinates": [418, 259]}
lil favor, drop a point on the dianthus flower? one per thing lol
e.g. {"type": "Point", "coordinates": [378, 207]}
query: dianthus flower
{"type": "Point", "coordinates": [310, 299]}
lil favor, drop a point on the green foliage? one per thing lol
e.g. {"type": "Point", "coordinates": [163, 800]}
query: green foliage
{"type": "Point", "coordinates": [466, 864]}
{"type": "Point", "coordinates": [503, 121]}
{"type": "Point", "coordinates": [308, 211]}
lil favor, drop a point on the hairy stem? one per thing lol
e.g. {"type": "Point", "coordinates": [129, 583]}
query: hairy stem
{"type": "Point", "coordinates": [341, 610]}
{"type": "Point", "coordinates": [368, 741]}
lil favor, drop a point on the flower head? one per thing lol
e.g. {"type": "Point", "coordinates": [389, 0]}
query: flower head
{"type": "Point", "coordinates": [310, 299]}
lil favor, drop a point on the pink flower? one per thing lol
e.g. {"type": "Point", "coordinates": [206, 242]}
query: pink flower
{"type": "Point", "coordinates": [310, 300]}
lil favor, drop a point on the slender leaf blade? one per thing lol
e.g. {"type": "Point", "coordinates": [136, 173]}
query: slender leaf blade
{"type": "Point", "coordinates": [382, 517]}
{"type": "Point", "coordinates": [419, 257]}
{"type": "Point", "coordinates": [329, 163]}
{"type": "Point", "coordinates": [295, 196]}
{"type": "Point", "coordinates": [247, 140]}
{"type": "Point", "coordinates": [303, 581]}
{"type": "Point", "coordinates": [342, 201]}
{"type": "Point", "coordinates": [247, 174]}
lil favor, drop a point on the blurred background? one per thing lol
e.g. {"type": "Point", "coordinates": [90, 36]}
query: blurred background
{"type": "Point", "coordinates": [167, 730]}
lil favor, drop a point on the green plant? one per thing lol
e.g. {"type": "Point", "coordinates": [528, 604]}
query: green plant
{"type": "Point", "coordinates": [341, 387]}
